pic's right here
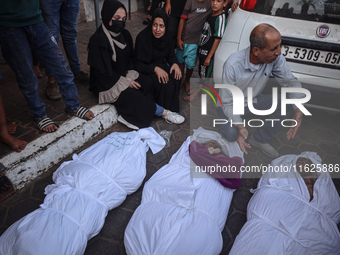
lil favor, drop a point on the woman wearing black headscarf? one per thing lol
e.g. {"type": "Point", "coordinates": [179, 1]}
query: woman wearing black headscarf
{"type": "Point", "coordinates": [155, 57]}
{"type": "Point", "coordinates": [112, 76]}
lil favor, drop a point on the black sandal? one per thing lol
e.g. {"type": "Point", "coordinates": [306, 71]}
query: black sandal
{"type": "Point", "coordinates": [80, 113]}
{"type": "Point", "coordinates": [44, 123]}
{"type": "Point", "coordinates": [146, 21]}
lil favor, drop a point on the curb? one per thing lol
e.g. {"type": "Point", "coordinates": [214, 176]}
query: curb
{"type": "Point", "coordinates": [50, 149]}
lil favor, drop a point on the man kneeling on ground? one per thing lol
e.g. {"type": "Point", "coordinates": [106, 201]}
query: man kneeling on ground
{"type": "Point", "coordinates": [252, 68]}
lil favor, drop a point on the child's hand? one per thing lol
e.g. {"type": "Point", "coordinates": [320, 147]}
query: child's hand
{"type": "Point", "coordinates": [234, 6]}
{"type": "Point", "coordinates": [168, 8]}
{"type": "Point", "coordinates": [180, 44]}
{"type": "Point", "coordinates": [207, 61]}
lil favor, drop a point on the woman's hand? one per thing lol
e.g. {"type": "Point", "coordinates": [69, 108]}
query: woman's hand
{"type": "Point", "coordinates": [178, 73]}
{"type": "Point", "coordinates": [163, 76]}
{"type": "Point", "coordinates": [135, 85]}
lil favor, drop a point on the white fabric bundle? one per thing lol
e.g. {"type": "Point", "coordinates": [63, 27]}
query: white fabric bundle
{"type": "Point", "coordinates": [74, 210]}
{"type": "Point", "coordinates": [280, 218]}
{"type": "Point", "coordinates": [180, 214]}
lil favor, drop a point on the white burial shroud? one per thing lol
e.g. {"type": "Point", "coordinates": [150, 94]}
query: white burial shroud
{"type": "Point", "coordinates": [280, 218]}
{"type": "Point", "coordinates": [75, 207]}
{"type": "Point", "coordinates": [180, 214]}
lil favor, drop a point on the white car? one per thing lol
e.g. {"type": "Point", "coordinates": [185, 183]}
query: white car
{"type": "Point", "coordinates": [310, 31]}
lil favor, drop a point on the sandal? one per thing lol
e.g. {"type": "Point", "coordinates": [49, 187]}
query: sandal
{"type": "Point", "coordinates": [80, 113]}
{"type": "Point", "coordinates": [44, 123]}
{"type": "Point", "coordinates": [146, 21]}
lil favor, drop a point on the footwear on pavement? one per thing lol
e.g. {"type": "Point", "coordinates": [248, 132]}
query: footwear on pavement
{"type": "Point", "coordinates": [81, 77]}
{"type": "Point", "coordinates": [80, 113]}
{"type": "Point", "coordinates": [52, 91]}
{"type": "Point", "coordinates": [173, 117]}
{"type": "Point", "coordinates": [45, 122]}
{"type": "Point", "coordinates": [128, 124]}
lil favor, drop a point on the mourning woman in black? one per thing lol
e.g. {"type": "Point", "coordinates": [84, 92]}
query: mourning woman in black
{"type": "Point", "coordinates": [155, 57]}
{"type": "Point", "coordinates": [112, 75]}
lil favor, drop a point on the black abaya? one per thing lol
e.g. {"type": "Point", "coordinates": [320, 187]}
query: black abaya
{"type": "Point", "coordinates": [136, 106]}
{"type": "Point", "coordinates": [151, 52]}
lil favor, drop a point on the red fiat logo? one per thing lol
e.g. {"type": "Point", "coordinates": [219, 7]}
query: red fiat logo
{"type": "Point", "coordinates": [323, 31]}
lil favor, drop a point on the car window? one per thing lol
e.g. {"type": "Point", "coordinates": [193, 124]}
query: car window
{"type": "Point", "coordinates": [313, 10]}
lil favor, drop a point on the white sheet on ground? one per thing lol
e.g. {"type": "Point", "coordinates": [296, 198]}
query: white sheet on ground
{"type": "Point", "coordinates": [180, 214]}
{"type": "Point", "coordinates": [281, 220]}
{"type": "Point", "coordinates": [74, 210]}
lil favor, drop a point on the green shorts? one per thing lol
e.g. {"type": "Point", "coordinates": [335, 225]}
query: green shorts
{"type": "Point", "coordinates": [187, 55]}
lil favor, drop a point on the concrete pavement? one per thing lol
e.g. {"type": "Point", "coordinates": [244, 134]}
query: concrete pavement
{"type": "Point", "coordinates": [318, 133]}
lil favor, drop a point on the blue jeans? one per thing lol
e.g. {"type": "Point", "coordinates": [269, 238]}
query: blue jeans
{"type": "Point", "coordinates": [18, 46]}
{"type": "Point", "coordinates": [266, 132]}
{"type": "Point", "coordinates": [62, 16]}
{"type": "Point", "coordinates": [159, 110]}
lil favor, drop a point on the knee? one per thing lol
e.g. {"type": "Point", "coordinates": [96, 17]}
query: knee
{"type": "Point", "coordinates": [190, 62]}
{"type": "Point", "coordinates": [69, 35]}
{"type": "Point", "coordinates": [229, 133]}
{"type": "Point", "coordinates": [290, 111]}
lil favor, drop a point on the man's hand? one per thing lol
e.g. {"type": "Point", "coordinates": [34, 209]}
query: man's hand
{"type": "Point", "coordinates": [242, 131]}
{"type": "Point", "coordinates": [242, 137]}
{"type": "Point", "coordinates": [243, 144]}
{"type": "Point", "coordinates": [293, 130]}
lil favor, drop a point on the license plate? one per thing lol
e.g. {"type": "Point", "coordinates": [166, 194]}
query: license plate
{"type": "Point", "coordinates": [318, 57]}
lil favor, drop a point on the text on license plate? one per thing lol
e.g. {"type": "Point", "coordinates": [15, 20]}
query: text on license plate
{"type": "Point", "coordinates": [311, 55]}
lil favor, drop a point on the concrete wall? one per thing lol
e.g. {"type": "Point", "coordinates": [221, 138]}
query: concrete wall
{"type": "Point", "coordinates": [87, 9]}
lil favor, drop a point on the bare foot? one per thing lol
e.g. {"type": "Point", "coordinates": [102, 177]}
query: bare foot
{"type": "Point", "coordinates": [50, 128]}
{"type": "Point", "coordinates": [80, 113]}
{"type": "Point", "coordinates": [182, 82]}
{"type": "Point", "coordinates": [193, 96]}
{"type": "Point", "coordinates": [37, 71]}
{"type": "Point", "coordinates": [190, 98]}
{"type": "Point", "coordinates": [12, 128]}
{"type": "Point", "coordinates": [187, 88]}
{"type": "Point", "coordinates": [89, 115]}
{"type": "Point", "coordinates": [16, 144]}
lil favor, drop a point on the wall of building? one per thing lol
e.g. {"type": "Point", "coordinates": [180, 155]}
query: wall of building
{"type": "Point", "coordinates": [87, 8]}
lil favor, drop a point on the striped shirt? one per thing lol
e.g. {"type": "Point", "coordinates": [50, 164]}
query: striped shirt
{"type": "Point", "coordinates": [213, 29]}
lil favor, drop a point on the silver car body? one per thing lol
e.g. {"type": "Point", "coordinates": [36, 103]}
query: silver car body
{"type": "Point", "coordinates": [299, 38]}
